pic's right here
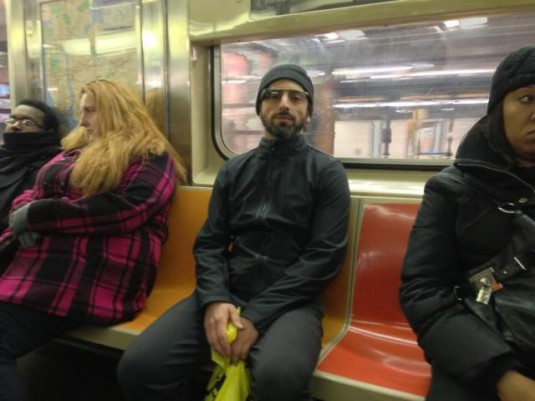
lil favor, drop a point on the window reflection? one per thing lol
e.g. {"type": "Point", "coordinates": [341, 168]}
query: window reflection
{"type": "Point", "coordinates": [393, 94]}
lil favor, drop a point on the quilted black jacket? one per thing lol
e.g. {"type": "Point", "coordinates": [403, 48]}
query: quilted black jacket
{"type": "Point", "coordinates": [458, 227]}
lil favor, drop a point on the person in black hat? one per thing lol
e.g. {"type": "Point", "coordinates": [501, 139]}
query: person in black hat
{"type": "Point", "coordinates": [473, 233]}
{"type": "Point", "coordinates": [31, 138]}
{"type": "Point", "coordinates": [275, 236]}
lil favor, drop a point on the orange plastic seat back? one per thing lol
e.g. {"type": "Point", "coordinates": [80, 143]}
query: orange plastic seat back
{"type": "Point", "coordinates": [382, 244]}
{"type": "Point", "coordinates": [186, 217]}
{"type": "Point", "coordinates": [335, 298]}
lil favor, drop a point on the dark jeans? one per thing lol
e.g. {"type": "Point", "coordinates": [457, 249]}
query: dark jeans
{"type": "Point", "coordinates": [445, 388]}
{"type": "Point", "coordinates": [22, 330]}
{"type": "Point", "coordinates": [160, 363]}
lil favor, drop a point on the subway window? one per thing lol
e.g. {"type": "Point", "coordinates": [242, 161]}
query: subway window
{"type": "Point", "coordinates": [403, 94]}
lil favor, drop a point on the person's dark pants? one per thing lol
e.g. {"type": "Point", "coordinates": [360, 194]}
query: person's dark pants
{"type": "Point", "coordinates": [446, 388]}
{"type": "Point", "coordinates": [161, 362]}
{"type": "Point", "coordinates": [22, 330]}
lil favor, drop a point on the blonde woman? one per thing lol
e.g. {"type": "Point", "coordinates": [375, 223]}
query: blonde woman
{"type": "Point", "coordinates": [90, 230]}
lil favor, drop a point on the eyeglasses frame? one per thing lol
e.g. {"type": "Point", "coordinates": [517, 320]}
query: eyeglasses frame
{"type": "Point", "coordinates": [266, 91]}
{"type": "Point", "coordinates": [26, 122]}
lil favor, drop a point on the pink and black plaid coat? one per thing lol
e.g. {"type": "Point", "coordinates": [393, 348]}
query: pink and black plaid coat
{"type": "Point", "coordinates": [97, 257]}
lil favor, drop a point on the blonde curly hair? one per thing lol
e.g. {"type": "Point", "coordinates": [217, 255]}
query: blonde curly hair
{"type": "Point", "coordinates": [126, 133]}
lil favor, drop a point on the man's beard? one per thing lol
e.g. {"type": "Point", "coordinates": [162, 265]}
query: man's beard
{"type": "Point", "coordinates": [282, 132]}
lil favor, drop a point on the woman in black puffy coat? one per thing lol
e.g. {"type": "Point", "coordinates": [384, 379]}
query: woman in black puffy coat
{"type": "Point", "coordinates": [466, 218]}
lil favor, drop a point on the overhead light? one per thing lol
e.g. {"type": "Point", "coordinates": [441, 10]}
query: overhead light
{"type": "Point", "coordinates": [352, 34]}
{"type": "Point", "coordinates": [386, 76]}
{"type": "Point", "coordinates": [357, 75]}
{"type": "Point", "coordinates": [233, 81]}
{"type": "Point", "coordinates": [452, 23]}
{"type": "Point", "coordinates": [368, 70]}
{"type": "Point", "coordinates": [472, 22]}
{"type": "Point", "coordinates": [329, 36]}
{"type": "Point", "coordinates": [415, 103]}
{"type": "Point", "coordinates": [471, 71]}
{"type": "Point", "coordinates": [315, 73]}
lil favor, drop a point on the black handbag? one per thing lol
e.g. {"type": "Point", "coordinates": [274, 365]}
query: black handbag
{"type": "Point", "coordinates": [502, 290]}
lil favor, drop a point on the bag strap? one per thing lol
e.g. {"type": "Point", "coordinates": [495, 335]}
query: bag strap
{"type": "Point", "coordinates": [468, 182]}
{"type": "Point", "coordinates": [515, 258]}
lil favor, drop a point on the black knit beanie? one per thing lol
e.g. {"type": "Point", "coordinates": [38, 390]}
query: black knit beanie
{"type": "Point", "coordinates": [287, 71]}
{"type": "Point", "coordinates": [515, 71]}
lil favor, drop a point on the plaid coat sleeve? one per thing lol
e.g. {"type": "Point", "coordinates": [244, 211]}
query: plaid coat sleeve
{"type": "Point", "coordinates": [144, 188]}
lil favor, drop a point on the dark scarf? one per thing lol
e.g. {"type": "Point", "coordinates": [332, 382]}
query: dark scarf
{"type": "Point", "coordinates": [19, 149]}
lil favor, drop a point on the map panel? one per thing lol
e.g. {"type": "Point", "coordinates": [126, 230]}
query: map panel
{"type": "Point", "coordinates": [84, 40]}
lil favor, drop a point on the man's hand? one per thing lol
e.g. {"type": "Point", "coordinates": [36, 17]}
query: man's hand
{"type": "Point", "coordinates": [247, 336]}
{"type": "Point", "coordinates": [514, 386]}
{"type": "Point", "coordinates": [216, 318]}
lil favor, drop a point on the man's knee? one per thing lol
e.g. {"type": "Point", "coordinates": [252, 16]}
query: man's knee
{"type": "Point", "coordinates": [280, 382]}
{"type": "Point", "coordinates": [131, 371]}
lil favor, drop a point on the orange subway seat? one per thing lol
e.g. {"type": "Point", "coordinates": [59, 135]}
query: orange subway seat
{"type": "Point", "coordinates": [378, 347]}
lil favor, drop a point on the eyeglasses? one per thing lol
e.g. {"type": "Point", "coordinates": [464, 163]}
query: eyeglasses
{"type": "Point", "coordinates": [275, 95]}
{"type": "Point", "coordinates": [26, 122]}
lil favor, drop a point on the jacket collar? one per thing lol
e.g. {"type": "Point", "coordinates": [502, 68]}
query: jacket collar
{"type": "Point", "coordinates": [279, 147]}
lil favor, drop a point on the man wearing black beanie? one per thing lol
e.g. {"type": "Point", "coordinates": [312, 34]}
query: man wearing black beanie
{"type": "Point", "coordinates": [473, 316]}
{"type": "Point", "coordinates": [275, 236]}
{"type": "Point", "coordinates": [291, 72]}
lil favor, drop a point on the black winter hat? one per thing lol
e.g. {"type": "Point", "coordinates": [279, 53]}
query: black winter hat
{"type": "Point", "coordinates": [515, 71]}
{"type": "Point", "coordinates": [292, 72]}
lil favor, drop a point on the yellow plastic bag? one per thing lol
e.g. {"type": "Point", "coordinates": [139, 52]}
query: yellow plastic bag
{"type": "Point", "coordinates": [229, 382]}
